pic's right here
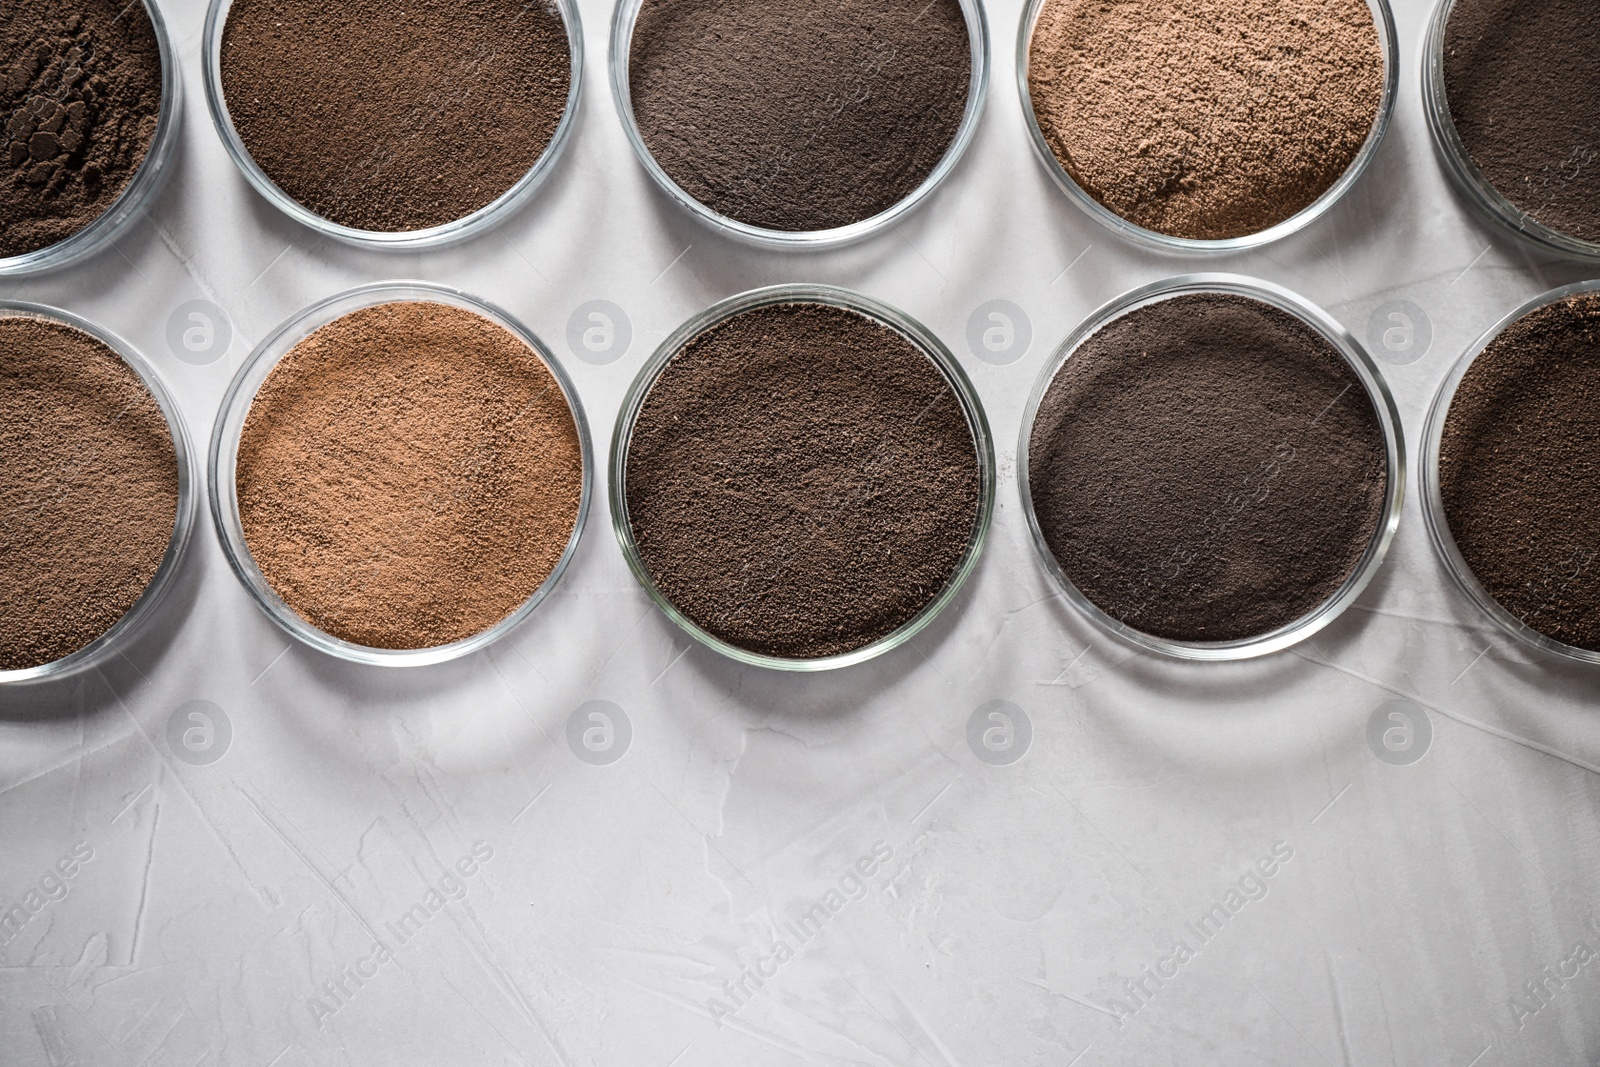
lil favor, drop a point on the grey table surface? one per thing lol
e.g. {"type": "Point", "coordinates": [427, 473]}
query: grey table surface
{"type": "Point", "coordinates": [246, 903]}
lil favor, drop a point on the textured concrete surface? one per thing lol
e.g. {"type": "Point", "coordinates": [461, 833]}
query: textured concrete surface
{"type": "Point", "coordinates": [1189, 864]}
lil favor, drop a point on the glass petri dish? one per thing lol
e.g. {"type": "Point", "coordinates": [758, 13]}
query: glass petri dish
{"type": "Point", "coordinates": [485, 217]}
{"type": "Point", "coordinates": [224, 456]}
{"type": "Point", "coordinates": [1444, 543]}
{"type": "Point", "coordinates": [622, 23]}
{"type": "Point", "coordinates": [1458, 166]}
{"type": "Point", "coordinates": [139, 191]}
{"type": "Point", "coordinates": [1382, 403]}
{"type": "Point", "coordinates": [936, 353]}
{"type": "Point", "coordinates": [161, 584]}
{"type": "Point", "coordinates": [1383, 19]}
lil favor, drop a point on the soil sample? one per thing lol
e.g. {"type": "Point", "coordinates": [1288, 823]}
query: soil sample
{"type": "Point", "coordinates": [801, 480]}
{"type": "Point", "coordinates": [1522, 78]}
{"type": "Point", "coordinates": [80, 99]}
{"type": "Point", "coordinates": [392, 119]}
{"type": "Point", "coordinates": [90, 497]}
{"type": "Point", "coordinates": [1207, 468]}
{"type": "Point", "coordinates": [1519, 470]}
{"type": "Point", "coordinates": [1206, 119]}
{"type": "Point", "coordinates": [409, 475]}
{"type": "Point", "coordinates": [799, 117]}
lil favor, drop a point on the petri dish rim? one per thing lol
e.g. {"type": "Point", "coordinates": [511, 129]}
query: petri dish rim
{"type": "Point", "coordinates": [626, 15]}
{"type": "Point", "coordinates": [486, 217]}
{"type": "Point", "coordinates": [222, 468]}
{"type": "Point", "coordinates": [936, 353]}
{"type": "Point", "coordinates": [1388, 38]}
{"type": "Point", "coordinates": [96, 651]}
{"type": "Point", "coordinates": [1438, 525]}
{"type": "Point", "coordinates": [1383, 404]}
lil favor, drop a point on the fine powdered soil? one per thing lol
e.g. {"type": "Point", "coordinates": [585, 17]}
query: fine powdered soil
{"type": "Point", "coordinates": [799, 116]}
{"type": "Point", "coordinates": [408, 475]}
{"type": "Point", "coordinates": [395, 117]}
{"type": "Point", "coordinates": [90, 496]}
{"type": "Point", "coordinates": [1519, 470]}
{"type": "Point", "coordinates": [1205, 119]}
{"type": "Point", "coordinates": [80, 96]}
{"type": "Point", "coordinates": [1207, 468]}
{"type": "Point", "coordinates": [1523, 81]}
{"type": "Point", "coordinates": [801, 481]}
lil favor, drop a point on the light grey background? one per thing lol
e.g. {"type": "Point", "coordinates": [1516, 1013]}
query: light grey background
{"type": "Point", "coordinates": [1017, 897]}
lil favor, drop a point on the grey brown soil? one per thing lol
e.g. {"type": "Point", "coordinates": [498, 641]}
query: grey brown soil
{"type": "Point", "coordinates": [1207, 468]}
{"type": "Point", "coordinates": [395, 117]}
{"type": "Point", "coordinates": [801, 481]}
{"type": "Point", "coordinates": [80, 99]}
{"type": "Point", "coordinates": [799, 116]}
{"type": "Point", "coordinates": [1523, 81]}
{"type": "Point", "coordinates": [1519, 470]}
{"type": "Point", "coordinates": [90, 495]}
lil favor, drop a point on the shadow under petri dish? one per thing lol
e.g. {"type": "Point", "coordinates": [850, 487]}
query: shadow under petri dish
{"type": "Point", "coordinates": [408, 475]}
